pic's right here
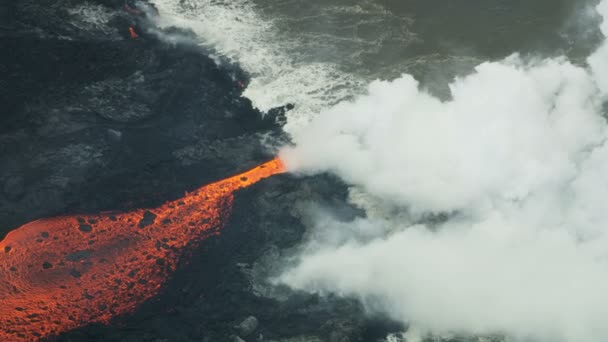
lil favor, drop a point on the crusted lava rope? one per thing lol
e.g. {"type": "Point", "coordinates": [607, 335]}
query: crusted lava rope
{"type": "Point", "coordinates": [62, 273]}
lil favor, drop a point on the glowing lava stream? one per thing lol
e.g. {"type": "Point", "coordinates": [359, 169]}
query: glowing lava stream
{"type": "Point", "coordinates": [61, 273]}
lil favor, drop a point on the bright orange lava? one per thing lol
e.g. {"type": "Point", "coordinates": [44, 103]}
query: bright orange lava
{"type": "Point", "coordinates": [133, 34]}
{"type": "Point", "coordinates": [61, 273]}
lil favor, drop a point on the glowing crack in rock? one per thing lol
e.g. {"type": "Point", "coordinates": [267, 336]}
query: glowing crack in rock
{"type": "Point", "coordinates": [61, 273]}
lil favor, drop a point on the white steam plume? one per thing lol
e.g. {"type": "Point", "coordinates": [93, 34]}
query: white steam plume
{"type": "Point", "coordinates": [518, 156]}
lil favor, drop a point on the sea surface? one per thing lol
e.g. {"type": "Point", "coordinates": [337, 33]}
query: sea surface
{"type": "Point", "coordinates": [316, 53]}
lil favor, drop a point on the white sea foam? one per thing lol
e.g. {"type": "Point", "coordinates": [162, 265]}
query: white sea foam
{"type": "Point", "coordinates": [237, 31]}
{"type": "Point", "coordinates": [519, 153]}
{"type": "Point", "coordinates": [92, 17]}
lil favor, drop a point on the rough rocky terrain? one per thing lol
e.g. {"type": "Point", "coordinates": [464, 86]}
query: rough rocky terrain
{"type": "Point", "coordinates": [94, 119]}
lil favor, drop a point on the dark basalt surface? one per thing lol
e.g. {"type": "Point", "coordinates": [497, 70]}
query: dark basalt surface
{"type": "Point", "coordinates": [93, 120]}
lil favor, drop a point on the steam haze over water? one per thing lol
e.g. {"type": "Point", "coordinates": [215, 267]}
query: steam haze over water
{"type": "Point", "coordinates": [473, 136]}
{"type": "Point", "coordinates": [317, 53]}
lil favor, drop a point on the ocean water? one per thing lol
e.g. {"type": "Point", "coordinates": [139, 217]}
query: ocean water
{"type": "Point", "coordinates": [316, 53]}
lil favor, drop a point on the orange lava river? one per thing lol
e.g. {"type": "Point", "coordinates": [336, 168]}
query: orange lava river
{"type": "Point", "coordinates": [62, 273]}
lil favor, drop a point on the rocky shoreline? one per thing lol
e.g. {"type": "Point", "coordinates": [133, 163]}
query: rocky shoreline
{"type": "Point", "coordinates": [96, 118]}
{"type": "Point", "coordinates": [93, 109]}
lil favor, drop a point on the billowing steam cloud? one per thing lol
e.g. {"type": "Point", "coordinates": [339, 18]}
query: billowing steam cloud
{"type": "Point", "coordinates": [518, 158]}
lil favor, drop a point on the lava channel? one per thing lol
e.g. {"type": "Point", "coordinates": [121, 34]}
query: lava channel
{"type": "Point", "coordinates": [61, 273]}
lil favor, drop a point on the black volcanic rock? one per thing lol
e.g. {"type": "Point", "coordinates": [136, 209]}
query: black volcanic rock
{"type": "Point", "coordinates": [94, 120]}
{"type": "Point", "coordinates": [248, 326]}
{"type": "Point", "coordinates": [13, 187]}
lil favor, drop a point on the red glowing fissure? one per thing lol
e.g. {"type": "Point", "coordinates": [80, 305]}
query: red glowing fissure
{"type": "Point", "coordinates": [132, 32]}
{"type": "Point", "coordinates": [61, 273]}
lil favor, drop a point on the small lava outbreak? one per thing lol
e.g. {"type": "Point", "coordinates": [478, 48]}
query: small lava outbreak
{"type": "Point", "coordinates": [61, 273]}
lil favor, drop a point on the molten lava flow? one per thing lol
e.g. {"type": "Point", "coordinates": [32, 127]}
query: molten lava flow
{"type": "Point", "coordinates": [133, 34]}
{"type": "Point", "coordinates": [61, 273]}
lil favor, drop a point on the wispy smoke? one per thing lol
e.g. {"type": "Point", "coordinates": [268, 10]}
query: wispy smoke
{"type": "Point", "coordinates": [518, 158]}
